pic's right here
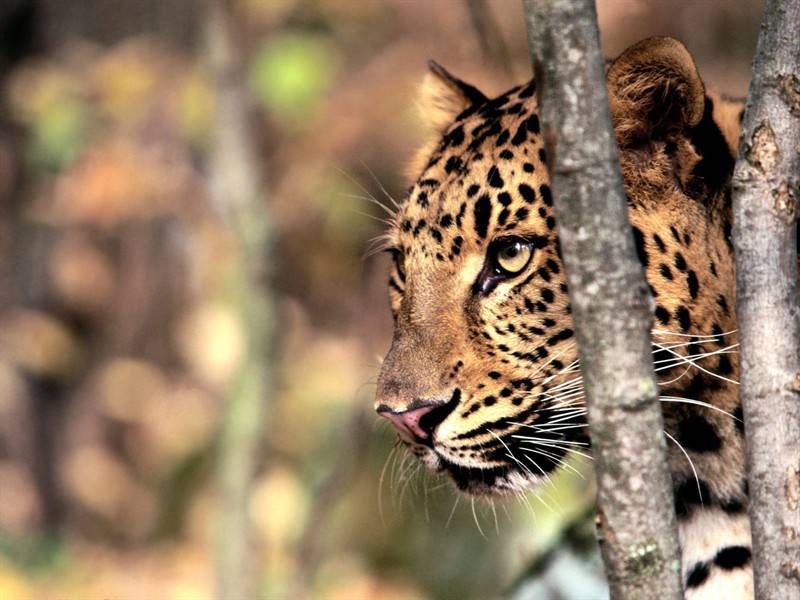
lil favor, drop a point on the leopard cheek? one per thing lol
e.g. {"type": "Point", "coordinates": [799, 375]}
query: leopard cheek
{"type": "Point", "coordinates": [470, 268]}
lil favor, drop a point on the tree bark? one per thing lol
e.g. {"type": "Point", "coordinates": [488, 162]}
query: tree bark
{"type": "Point", "coordinates": [765, 197]}
{"type": "Point", "coordinates": [611, 306]}
{"type": "Point", "coordinates": [237, 191]}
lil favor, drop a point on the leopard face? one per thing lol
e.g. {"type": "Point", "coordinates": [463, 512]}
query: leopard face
{"type": "Point", "coordinates": [481, 379]}
{"type": "Point", "coordinates": [478, 223]}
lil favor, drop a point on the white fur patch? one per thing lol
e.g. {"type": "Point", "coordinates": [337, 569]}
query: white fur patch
{"type": "Point", "coordinates": [702, 535]}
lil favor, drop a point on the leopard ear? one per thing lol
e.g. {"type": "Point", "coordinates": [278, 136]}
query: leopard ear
{"type": "Point", "coordinates": [654, 91]}
{"type": "Point", "coordinates": [443, 96]}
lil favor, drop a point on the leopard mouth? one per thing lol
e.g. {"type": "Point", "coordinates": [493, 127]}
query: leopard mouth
{"type": "Point", "coordinates": [513, 462]}
{"type": "Point", "coordinates": [520, 455]}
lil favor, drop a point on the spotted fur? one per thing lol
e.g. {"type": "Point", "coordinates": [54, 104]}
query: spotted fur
{"type": "Point", "coordinates": [495, 354]}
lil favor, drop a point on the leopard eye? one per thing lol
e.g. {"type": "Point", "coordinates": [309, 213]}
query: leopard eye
{"type": "Point", "coordinates": [506, 258]}
{"type": "Point", "coordinates": [512, 256]}
{"type": "Point", "coordinates": [399, 262]}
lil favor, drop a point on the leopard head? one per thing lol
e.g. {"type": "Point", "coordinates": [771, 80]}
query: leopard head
{"type": "Point", "coordinates": [481, 380]}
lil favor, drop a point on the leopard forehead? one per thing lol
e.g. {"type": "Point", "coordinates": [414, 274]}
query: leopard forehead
{"type": "Point", "coordinates": [486, 177]}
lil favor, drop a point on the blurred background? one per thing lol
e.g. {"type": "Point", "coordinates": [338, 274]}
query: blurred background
{"type": "Point", "coordinates": [186, 298]}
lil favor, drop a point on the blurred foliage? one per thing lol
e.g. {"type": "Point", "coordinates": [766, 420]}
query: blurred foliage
{"type": "Point", "coordinates": [290, 74]}
{"type": "Point", "coordinates": [118, 341]}
{"type": "Point", "coordinates": [50, 103]}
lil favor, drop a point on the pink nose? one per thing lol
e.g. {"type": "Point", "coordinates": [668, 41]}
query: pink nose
{"type": "Point", "coordinates": [408, 422]}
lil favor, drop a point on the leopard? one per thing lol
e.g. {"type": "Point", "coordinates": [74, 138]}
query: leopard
{"type": "Point", "coordinates": [482, 379]}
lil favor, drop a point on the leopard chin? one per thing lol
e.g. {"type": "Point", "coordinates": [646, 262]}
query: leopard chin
{"type": "Point", "coordinates": [478, 481]}
{"type": "Point", "coordinates": [492, 481]}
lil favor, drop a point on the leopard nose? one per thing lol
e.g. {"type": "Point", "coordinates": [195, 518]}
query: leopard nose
{"type": "Point", "coordinates": [417, 424]}
{"type": "Point", "coordinates": [410, 423]}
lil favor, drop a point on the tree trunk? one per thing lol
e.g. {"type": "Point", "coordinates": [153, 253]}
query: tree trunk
{"type": "Point", "coordinates": [765, 197]}
{"type": "Point", "coordinates": [238, 194]}
{"type": "Point", "coordinates": [611, 306]}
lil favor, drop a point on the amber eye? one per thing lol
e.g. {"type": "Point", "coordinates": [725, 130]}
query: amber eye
{"type": "Point", "coordinates": [512, 256]}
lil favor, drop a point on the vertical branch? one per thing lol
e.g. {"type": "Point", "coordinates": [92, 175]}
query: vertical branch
{"type": "Point", "coordinates": [766, 189]}
{"type": "Point", "coordinates": [611, 306]}
{"type": "Point", "coordinates": [490, 36]}
{"type": "Point", "coordinates": [238, 194]}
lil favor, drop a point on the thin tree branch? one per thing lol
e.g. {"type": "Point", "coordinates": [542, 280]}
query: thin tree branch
{"type": "Point", "coordinates": [346, 465]}
{"type": "Point", "coordinates": [611, 306]}
{"type": "Point", "coordinates": [238, 195]}
{"type": "Point", "coordinates": [490, 36]}
{"type": "Point", "coordinates": [766, 189]}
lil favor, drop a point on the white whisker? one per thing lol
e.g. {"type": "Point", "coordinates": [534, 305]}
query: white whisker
{"type": "Point", "coordinates": [545, 427]}
{"type": "Point", "coordinates": [695, 335]}
{"type": "Point", "coordinates": [691, 464]}
{"type": "Point", "coordinates": [698, 403]}
{"type": "Point", "coordinates": [475, 517]}
{"type": "Point", "coordinates": [386, 222]}
{"type": "Point", "coordinates": [567, 449]}
{"type": "Point", "coordinates": [452, 512]}
{"type": "Point", "coordinates": [494, 512]}
{"type": "Point", "coordinates": [695, 358]}
{"type": "Point", "coordinates": [547, 441]}
{"type": "Point", "coordinates": [380, 484]}
{"type": "Point", "coordinates": [558, 461]}
{"type": "Point", "coordinates": [380, 185]}
{"type": "Point", "coordinates": [370, 197]}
